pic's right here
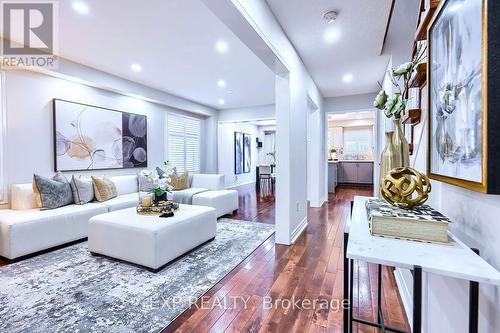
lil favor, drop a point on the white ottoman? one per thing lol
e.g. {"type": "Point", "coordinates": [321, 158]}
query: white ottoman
{"type": "Point", "coordinates": [151, 241]}
{"type": "Point", "coordinates": [224, 201]}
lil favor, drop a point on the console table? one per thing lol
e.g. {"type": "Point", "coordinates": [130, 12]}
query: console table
{"type": "Point", "coordinates": [455, 260]}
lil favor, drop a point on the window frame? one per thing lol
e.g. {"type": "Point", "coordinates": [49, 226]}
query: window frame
{"type": "Point", "coordinates": [184, 118]}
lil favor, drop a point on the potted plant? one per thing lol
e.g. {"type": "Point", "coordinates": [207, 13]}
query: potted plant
{"type": "Point", "coordinates": [333, 154]}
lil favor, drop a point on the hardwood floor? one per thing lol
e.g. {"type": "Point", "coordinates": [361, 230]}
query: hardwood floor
{"type": "Point", "coordinates": [311, 269]}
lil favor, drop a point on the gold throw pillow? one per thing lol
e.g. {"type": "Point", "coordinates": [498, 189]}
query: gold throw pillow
{"type": "Point", "coordinates": [179, 182]}
{"type": "Point", "coordinates": [104, 189]}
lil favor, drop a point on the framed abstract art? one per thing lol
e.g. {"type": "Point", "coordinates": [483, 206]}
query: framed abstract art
{"type": "Point", "coordinates": [238, 153]}
{"type": "Point", "coordinates": [463, 99]}
{"type": "Point", "coordinates": [88, 137]}
{"type": "Point", "coordinates": [247, 153]}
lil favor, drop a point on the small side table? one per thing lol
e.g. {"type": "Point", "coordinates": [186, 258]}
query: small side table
{"type": "Point", "coordinates": [455, 260]}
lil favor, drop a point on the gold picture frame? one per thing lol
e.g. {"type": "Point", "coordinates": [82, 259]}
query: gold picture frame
{"type": "Point", "coordinates": [490, 154]}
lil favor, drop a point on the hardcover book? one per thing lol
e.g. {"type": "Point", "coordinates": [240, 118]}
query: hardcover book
{"type": "Point", "coordinates": [422, 223]}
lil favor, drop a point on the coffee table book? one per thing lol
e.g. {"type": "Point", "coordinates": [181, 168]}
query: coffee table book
{"type": "Point", "coordinates": [422, 223]}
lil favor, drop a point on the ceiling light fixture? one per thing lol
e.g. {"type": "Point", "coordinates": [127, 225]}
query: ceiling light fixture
{"type": "Point", "coordinates": [221, 46]}
{"type": "Point", "coordinates": [331, 35]}
{"type": "Point", "coordinates": [221, 84]}
{"type": "Point", "coordinates": [222, 102]}
{"type": "Point", "coordinates": [80, 7]}
{"type": "Point", "coordinates": [330, 16]}
{"type": "Point", "coordinates": [136, 68]}
{"type": "Point", "coordinates": [347, 78]}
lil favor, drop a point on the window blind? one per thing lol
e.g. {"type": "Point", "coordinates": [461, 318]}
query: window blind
{"type": "Point", "coordinates": [183, 136]}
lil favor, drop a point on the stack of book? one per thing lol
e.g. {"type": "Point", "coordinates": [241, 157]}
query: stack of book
{"type": "Point", "coordinates": [421, 223]}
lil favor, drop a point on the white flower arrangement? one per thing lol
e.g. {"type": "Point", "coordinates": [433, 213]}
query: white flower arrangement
{"type": "Point", "coordinates": [160, 185]}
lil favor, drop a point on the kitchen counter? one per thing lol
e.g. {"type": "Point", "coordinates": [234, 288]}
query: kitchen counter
{"type": "Point", "coordinates": [352, 161]}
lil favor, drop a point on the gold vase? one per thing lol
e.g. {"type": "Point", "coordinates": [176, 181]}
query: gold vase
{"type": "Point", "coordinates": [401, 145]}
{"type": "Point", "coordinates": [390, 157]}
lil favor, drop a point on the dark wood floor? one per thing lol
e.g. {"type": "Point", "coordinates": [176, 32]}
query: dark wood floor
{"type": "Point", "coordinates": [310, 269]}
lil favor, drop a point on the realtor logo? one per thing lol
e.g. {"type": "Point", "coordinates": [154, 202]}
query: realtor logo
{"type": "Point", "coordinates": [29, 33]}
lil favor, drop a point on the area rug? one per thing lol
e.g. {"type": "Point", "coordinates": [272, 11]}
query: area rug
{"type": "Point", "coordinates": [68, 290]}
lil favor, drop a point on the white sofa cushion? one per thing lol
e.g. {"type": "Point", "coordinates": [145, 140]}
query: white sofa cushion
{"type": "Point", "coordinates": [22, 197]}
{"type": "Point", "coordinates": [225, 201]}
{"type": "Point", "coordinates": [122, 202]}
{"type": "Point", "coordinates": [125, 184]}
{"type": "Point", "coordinates": [28, 231]}
{"type": "Point", "coordinates": [211, 182]}
{"type": "Point", "coordinates": [151, 241]}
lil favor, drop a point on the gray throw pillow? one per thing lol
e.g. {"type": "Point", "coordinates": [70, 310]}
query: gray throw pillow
{"type": "Point", "coordinates": [162, 173]}
{"type": "Point", "coordinates": [83, 190]}
{"type": "Point", "coordinates": [54, 193]}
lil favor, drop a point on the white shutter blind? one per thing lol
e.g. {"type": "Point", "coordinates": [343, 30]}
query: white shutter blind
{"type": "Point", "coordinates": [184, 143]}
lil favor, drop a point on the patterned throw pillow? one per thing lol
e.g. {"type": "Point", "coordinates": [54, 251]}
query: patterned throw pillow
{"type": "Point", "coordinates": [179, 182]}
{"type": "Point", "coordinates": [104, 189]}
{"type": "Point", "coordinates": [83, 190]}
{"type": "Point", "coordinates": [52, 193]}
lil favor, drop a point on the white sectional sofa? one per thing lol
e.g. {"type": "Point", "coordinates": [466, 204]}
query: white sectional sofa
{"type": "Point", "coordinates": [25, 229]}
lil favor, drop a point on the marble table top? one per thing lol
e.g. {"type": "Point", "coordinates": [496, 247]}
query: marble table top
{"type": "Point", "coordinates": [456, 260]}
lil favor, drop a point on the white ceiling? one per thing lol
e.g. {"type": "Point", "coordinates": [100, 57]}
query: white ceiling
{"type": "Point", "coordinates": [174, 42]}
{"type": "Point", "coordinates": [361, 25]}
{"type": "Point", "coordinates": [352, 116]}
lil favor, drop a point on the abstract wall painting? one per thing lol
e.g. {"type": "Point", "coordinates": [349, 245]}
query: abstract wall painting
{"type": "Point", "coordinates": [238, 153]}
{"type": "Point", "coordinates": [247, 153]}
{"type": "Point", "coordinates": [460, 125]}
{"type": "Point", "coordinates": [88, 137]}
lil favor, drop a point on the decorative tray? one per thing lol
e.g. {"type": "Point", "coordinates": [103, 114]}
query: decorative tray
{"type": "Point", "coordinates": [160, 208]}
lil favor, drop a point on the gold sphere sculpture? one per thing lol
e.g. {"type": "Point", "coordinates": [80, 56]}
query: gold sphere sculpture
{"type": "Point", "coordinates": [405, 188]}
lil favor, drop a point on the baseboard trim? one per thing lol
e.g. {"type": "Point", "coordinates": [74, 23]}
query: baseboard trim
{"type": "Point", "coordinates": [405, 294]}
{"type": "Point", "coordinates": [298, 231]}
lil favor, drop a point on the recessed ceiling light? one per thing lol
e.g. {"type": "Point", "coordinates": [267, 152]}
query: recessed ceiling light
{"type": "Point", "coordinates": [221, 46]}
{"type": "Point", "coordinates": [347, 77]}
{"type": "Point", "coordinates": [80, 7]}
{"type": "Point", "coordinates": [331, 35]}
{"type": "Point", "coordinates": [221, 84]}
{"type": "Point", "coordinates": [222, 102]}
{"type": "Point", "coordinates": [136, 68]}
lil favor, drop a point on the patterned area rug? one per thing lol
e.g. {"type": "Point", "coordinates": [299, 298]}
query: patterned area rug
{"type": "Point", "coordinates": [68, 290]}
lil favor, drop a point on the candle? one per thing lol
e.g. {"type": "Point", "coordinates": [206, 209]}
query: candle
{"type": "Point", "coordinates": [146, 201]}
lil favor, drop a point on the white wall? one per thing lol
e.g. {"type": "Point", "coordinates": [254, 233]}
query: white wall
{"type": "Point", "coordinates": [341, 104]}
{"type": "Point", "coordinates": [250, 113]}
{"type": "Point", "coordinates": [226, 153]}
{"type": "Point", "coordinates": [29, 108]}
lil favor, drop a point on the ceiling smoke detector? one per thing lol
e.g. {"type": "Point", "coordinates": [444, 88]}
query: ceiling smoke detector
{"type": "Point", "coordinates": [330, 16]}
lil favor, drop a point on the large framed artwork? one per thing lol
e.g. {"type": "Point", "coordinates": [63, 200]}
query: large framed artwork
{"type": "Point", "coordinates": [464, 117]}
{"type": "Point", "coordinates": [238, 153]}
{"type": "Point", "coordinates": [247, 153]}
{"type": "Point", "coordinates": [88, 137]}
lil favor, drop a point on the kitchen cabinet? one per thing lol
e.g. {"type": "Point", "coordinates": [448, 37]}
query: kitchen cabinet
{"type": "Point", "coordinates": [350, 172]}
{"type": "Point", "coordinates": [332, 176]}
{"type": "Point", "coordinates": [365, 173]}
{"type": "Point", "coordinates": [354, 172]}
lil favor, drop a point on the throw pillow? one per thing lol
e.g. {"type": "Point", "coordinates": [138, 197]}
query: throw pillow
{"type": "Point", "coordinates": [162, 173]}
{"type": "Point", "coordinates": [104, 189]}
{"type": "Point", "coordinates": [52, 193]}
{"type": "Point", "coordinates": [179, 182]}
{"type": "Point", "coordinates": [83, 190]}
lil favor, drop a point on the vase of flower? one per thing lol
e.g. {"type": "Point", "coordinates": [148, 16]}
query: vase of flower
{"type": "Point", "coordinates": [390, 157]}
{"type": "Point", "coordinates": [159, 187]}
{"type": "Point", "coordinates": [401, 145]}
